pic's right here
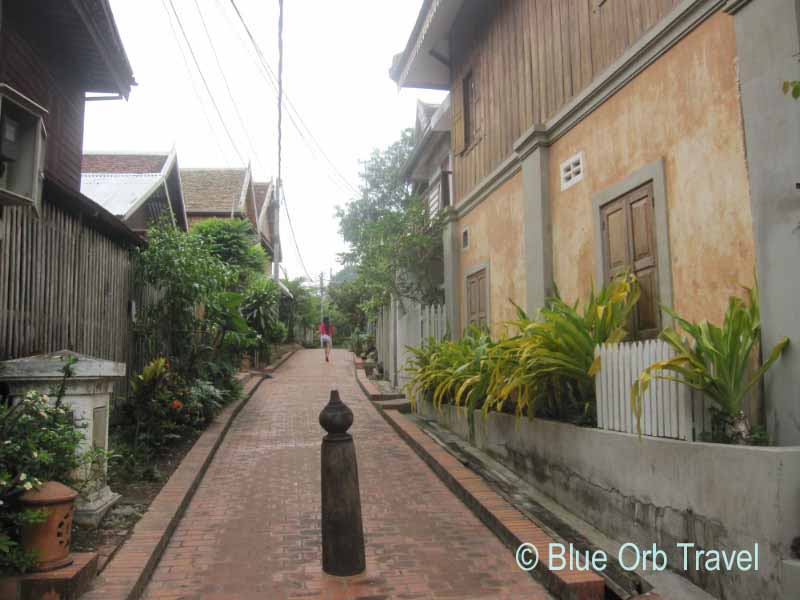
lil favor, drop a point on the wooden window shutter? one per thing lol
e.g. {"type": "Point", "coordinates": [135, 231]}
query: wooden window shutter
{"type": "Point", "coordinates": [629, 243]}
{"type": "Point", "coordinates": [457, 105]}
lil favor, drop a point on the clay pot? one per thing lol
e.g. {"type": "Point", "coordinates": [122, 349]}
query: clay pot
{"type": "Point", "coordinates": [50, 539]}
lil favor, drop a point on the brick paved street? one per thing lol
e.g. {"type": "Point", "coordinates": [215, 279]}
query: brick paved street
{"type": "Point", "coordinates": [253, 529]}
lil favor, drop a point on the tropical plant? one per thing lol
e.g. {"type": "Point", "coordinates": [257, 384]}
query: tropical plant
{"type": "Point", "coordinates": [792, 88]}
{"type": "Point", "coordinates": [233, 241]}
{"type": "Point", "coordinates": [552, 359]}
{"type": "Point", "coordinates": [452, 372]}
{"type": "Point", "coordinates": [716, 362]}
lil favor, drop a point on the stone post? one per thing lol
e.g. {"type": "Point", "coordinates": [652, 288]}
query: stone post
{"type": "Point", "coordinates": [342, 529]}
{"type": "Point", "coordinates": [88, 393]}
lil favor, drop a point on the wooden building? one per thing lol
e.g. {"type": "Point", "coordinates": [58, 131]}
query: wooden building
{"type": "Point", "coordinates": [591, 136]}
{"type": "Point", "coordinates": [140, 189]}
{"type": "Point", "coordinates": [64, 260]}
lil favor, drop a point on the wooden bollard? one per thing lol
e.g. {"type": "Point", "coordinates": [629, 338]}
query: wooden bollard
{"type": "Point", "coordinates": [342, 529]}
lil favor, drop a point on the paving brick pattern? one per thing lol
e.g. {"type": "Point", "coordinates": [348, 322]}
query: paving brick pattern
{"type": "Point", "coordinates": [253, 527]}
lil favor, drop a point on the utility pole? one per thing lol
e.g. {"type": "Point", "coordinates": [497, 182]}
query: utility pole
{"type": "Point", "coordinates": [321, 297]}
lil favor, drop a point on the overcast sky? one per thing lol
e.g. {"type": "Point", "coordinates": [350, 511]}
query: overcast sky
{"type": "Point", "coordinates": [336, 60]}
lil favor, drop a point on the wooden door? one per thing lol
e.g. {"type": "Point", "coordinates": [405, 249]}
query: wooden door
{"type": "Point", "coordinates": [629, 244]}
{"type": "Point", "coordinates": [477, 299]}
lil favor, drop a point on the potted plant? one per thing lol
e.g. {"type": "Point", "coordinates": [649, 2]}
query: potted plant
{"type": "Point", "coordinates": [39, 443]}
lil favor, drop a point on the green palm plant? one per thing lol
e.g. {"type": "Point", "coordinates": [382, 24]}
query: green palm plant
{"type": "Point", "coordinates": [716, 362]}
{"type": "Point", "coordinates": [553, 356]}
{"type": "Point", "coordinates": [454, 372]}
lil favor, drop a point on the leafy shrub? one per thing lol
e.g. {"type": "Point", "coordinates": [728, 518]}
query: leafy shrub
{"type": "Point", "coordinates": [548, 368]}
{"type": "Point", "coordinates": [716, 362]}
{"type": "Point", "coordinates": [233, 241]}
{"type": "Point", "coordinates": [452, 372]}
{"type": "Point", "coordinates": [164, 409]}
{"type": "Point", "coordinates": [551, 363]}
{"type": "Point", "coordinates": [40, 442]}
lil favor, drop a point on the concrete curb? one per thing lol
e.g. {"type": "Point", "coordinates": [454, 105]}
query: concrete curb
{"type": "Point", "coordinates": [280, 362]}
{"type": "Point", "coordinates": [371, 391]}
{"type": "Point", "coordinates": [502, 518]}
{"type": "Point", "coordinates": [129, 570]}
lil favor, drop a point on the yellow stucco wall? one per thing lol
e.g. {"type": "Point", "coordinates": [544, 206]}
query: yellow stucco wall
{"type": "Point", "coordinates": [495, 227]}
{"type": "Point", "coordinates": [685, 110]}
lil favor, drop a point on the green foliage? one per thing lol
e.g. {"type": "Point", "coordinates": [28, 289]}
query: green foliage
{"type": "Point", "coordinates": [261, 310]}
{"type": "Point", "coordinates": [360, 342]}
{"type": "Point", "coordinates": [165, 408]}
{"type": "Point", "coordinates": [452, 372]}
{"type": "Point", "coordinates": [792, 88]}
{"type": "Point", "coordinates": [40, 442]}
{"type": "Point", "coordinates": [394, 246]}
{"type": "Point", "coordinates": [550, 365]}
{"type": "Point", "coordinates": [547, 368]}
{"type": "Point", "coordinates": [233, 241]}
{"type": "Point", "coordinates": [715, 362]}
{"type": "Point", "coordinates": [185, 275]}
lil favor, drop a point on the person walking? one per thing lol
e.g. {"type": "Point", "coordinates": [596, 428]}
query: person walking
{"type": "Point", "coordinates": [326, 337]}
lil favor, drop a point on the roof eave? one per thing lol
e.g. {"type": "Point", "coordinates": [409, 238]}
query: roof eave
{"type": "Point", "coordinates": [419, 65]}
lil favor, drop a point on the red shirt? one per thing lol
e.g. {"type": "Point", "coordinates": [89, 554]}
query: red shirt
{"type": "Point", "coordinates": [329, 331]}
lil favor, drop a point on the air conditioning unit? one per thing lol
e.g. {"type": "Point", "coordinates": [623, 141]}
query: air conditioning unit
{"type": "Point", "coordinates": [22, 149]}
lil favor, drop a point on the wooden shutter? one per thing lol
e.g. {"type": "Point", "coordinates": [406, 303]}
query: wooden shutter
{"type": "Point", "coordinates": [457, 106]}
{"type": "Point", "coordinates": [629, 243]}
{"type": "Point", "coordinates": [477, 299]}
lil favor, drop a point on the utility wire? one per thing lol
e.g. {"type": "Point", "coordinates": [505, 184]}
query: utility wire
{"type": "Point", "coordinates": [291, 228]}
{"type": "Point", "coordinates": [188, 69]}
{"type": "Point", "coordinates": [227, 85]}
{"type": "Point", "coordinates": [280, 85]}
{"type": "Point", "coordinates": [271, 75]}
{"type": "Point", "coordinates": [205, 83]}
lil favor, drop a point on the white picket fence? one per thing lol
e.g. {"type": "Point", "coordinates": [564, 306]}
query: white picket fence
{"type": "Point", "coordinates": [667, 407]}
{"type": "Point", "coordinates": [404, 324]}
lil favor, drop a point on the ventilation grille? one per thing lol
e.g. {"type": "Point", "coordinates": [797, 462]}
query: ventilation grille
{"type": "Point", "coordinates": [571, 171]}
{"type": "Point", "coordinates": [465, 239]}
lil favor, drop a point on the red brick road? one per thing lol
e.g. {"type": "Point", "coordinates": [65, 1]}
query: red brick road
{"type": "Point", "coordinates": [252, 530]}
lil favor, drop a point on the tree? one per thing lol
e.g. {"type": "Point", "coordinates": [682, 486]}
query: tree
{"type": "Point", "coordinates": [234, 242]}
{"type": "Point", "coordinates": [394, 246]}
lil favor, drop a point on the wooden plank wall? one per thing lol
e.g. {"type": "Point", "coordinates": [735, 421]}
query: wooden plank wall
{"type": "Point", "coordinates": [62, 285]}
{"type": "Point", "coordinates": [530, 57]}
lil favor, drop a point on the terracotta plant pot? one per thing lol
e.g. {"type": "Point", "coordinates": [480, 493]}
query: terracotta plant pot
{"type": "Point", "coordinates": [50, 539]}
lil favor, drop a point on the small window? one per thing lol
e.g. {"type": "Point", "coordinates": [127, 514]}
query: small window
{"type": "Point", "coordinates": [470, 109]}
{"type": "Point", "coordinates": [465, 239]}
{"type": "Point", "coordinates": [22, 148]}
{"type": "Point", "coordinates": [446, 174]}
{"type": "Point", "coordinates": [571, 171]}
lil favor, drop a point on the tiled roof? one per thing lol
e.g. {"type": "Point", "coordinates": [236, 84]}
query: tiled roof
{"type": "Point", "coordinates": [261, 190]}
{"type": "Point", "coordinates": [212, 190]}
{"type": "Point", "coordinates": [123, 163]}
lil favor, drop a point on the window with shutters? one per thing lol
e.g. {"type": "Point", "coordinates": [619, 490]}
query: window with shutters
{"type": "Point", "coordinates": [629, 244]}
{"type": "Point", "coordinates": [470, 100]}
{"type": "Point", "coordinates": [477, 299]}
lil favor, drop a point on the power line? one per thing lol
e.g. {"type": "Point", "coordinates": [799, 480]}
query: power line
{"type": "Point", "coordinates": [282, 197]}
{"type": "Point", "coordinates": [205, 83]}
{"type": "Point", "coordinates": [269, 77]}
{"type": "Point", "coordinates": [227, 85]}
{"type": "Point", "coordinates": [280, 84]}
{"type": "Point", "coordinates": [290, 105]}
{"type": "Point", "coordinates": [188, 69]}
